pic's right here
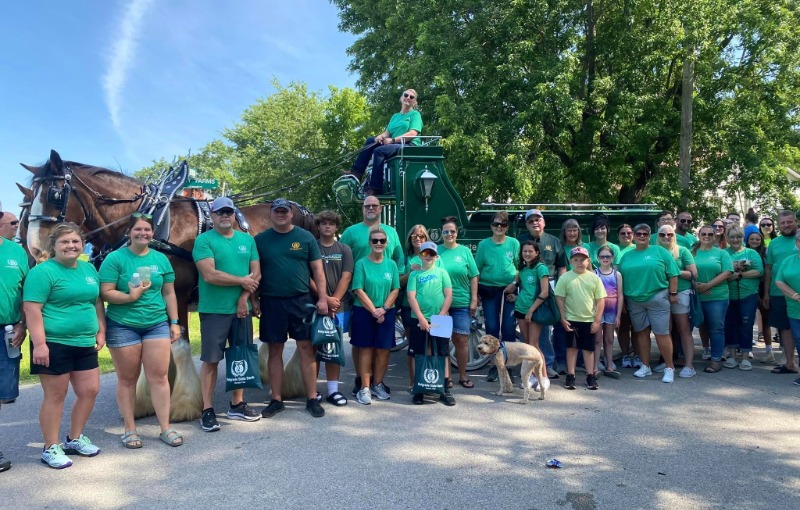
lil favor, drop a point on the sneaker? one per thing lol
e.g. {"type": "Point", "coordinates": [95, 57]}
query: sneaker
{"type": "Point", "coordinates": [273, 408]}
{"type": "Point", "coordinates": [706, 355]}
{"type": "Point", "coordinates": [669, 375]}
{"type": "Point", "coordinates": [56, 458]}
{"type": "Point", "coordinates": [82, 446]}
{"type": "Point", "coordinates": [363, 396]}
{"type": "Point", "coordinates": [643, 371]}
{"type": "Point", "coordinates": [447, 398]}
{"type": "Point", "coordinates": [726, 354]}
{"type": "Point", "coordinates": [570, 382]}
{"type": "Point", "coordinates": [418, 398]}
{"type": "Point", "coordinates": [5, 464]}
{"type": "Point", "coordinates": [545, 384]}
{"type": "Point", "coordinates": [745, 365]}
{"type": "Point", "coordinates": [533, 383]}
{"type": "Point", "coordinates": [591, 382]}
{"type": "Point", "coordinates": [660, 368]}
{"type": "Point", "coordinates": [379, 390]}
{"type": "Point", "coordinates": [357, 386]}
{"type": "Point", "coordinates": [315, 408]}
{"type": "Point", "coordinates": [768, 358]}
{"type": "Point", "coordinates": [626, 362]}
{"type": "Point", "coordinates": [551, 373]}
{"type": "Point", "coordinates": [687, 372]}
{"type": "Point", "coordinates": [730, 363]}
{"type": "Point", "coordinates": [796, 382]}
{"type": "Point", "coordinates": [244, 412]}
{"type": "Point", "coordinates": [637, 362]}
{"type": "Point", "coordinates": [492, 375]}
{"type": "Point", "coordinates": [208, 421]}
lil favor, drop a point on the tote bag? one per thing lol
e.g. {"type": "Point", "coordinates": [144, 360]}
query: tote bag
{"type": "Point", "coordinates": [241, 360]}
{"type": "Point", "coordinates": [429, 371]}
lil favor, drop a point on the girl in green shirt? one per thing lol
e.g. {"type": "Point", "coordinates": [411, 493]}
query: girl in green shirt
{"type": "Point", "coordinates": [534, 288]}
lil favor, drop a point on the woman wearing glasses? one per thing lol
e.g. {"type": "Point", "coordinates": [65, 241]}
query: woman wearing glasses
{"type": "Point", "coordinates": [767, 228]}
{"type": "Point", "coordinates": [713, 268]}
{"type": "Point", "coordinates": [719, 234]}
{"type": "Point", "coordinates": [403, 128]}
{"type": "Point", "coordinates": [570, 238]}
{"type": "Point", "coordinates": [743, 292]}
{"type": "Point", "coordinates": [457, 259]}
{"type": "Point", "coordinates": [142, 322]}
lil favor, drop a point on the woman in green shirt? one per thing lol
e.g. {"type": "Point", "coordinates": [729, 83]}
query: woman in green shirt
{"type": "Point", "coordinates": [142, 323]}
{"type": "Point", "coordinates": [713, 268]}
{"type": "Point", "coordinates": [570, 237]}
{"type": "Point", "coordinates": [67, 327]}
{"type": "Point", "coordinates": [600, 229]}
{"type": "Point", "coordinates": [496, 261]}
{"type": "Point", "coordinates": [625, 237]}
{"type": "Point", "coordinates": [743, 292]}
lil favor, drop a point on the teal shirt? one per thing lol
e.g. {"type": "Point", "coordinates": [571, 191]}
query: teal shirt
{"type": "Point", "coordinates": [496, 262]}
{"type": "Point", "coordinates": [745, 287]}
{"type": "Point", "coordinates": [231, 255]}
{"type": "Point", "coordinates": [530, 279]}
{"type": "Point", "coordinates": [376, 279]}
{"type": "Point", "coordinates": [429, 288]}
{"type": "Point", "coordinates": [357, 238]}
{"type": "Point", "coordinates": [710, 263]}
{"type": "Point", "coordinates": [14, 264]}
{"type": "Point", "coordinates": [410, 262]}
{"type": "Point", "coordinates": [684, 259]}
{"type": "Point", "coordinates": [646, 272]}
{"type": "Point", "coordinates": [593, 248]}
{"type": "Point", "coordinates": [460, 265]}
{"type": "Point", "coordinates": [789, 273]}
{"type": "Point", "coordinates": [402, 123]}
{"type": "Point", "coordinates": [780, 248]}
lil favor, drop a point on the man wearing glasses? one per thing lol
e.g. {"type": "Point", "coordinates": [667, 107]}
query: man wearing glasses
{"type": "Point", "coordinates": [357, 238]}
{"type": "Point", "coordinates": [552, 255]}
{"type": "Point", "coordinates": [229, 274]}
{"type": "Point", "coordinates": [683, 230]}
{"type": "Point", "coordinates": [8, 226]}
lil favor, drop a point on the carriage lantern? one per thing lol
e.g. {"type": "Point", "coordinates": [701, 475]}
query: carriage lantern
{"type": "Point", "coordinates": [426, 181]}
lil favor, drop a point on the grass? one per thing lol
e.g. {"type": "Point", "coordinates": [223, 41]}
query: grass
{"type": "Point", "coordinates": [104, 356]}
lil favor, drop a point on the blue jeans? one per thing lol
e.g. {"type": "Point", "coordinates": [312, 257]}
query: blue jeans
{"type": "Point", "coordinates": [492, 298]}
{"type": "Point", "coordinates": [739, 322]}
{"type": "Point", "coordinates": [546, 346]}
{"type": "Point", "coordinates": [714, 313]}
{"type": "Point", "coordinates": [380, 153]}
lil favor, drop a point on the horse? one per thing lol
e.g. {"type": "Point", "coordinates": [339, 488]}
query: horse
{"type": "Point", "coordinates": [101, 201]}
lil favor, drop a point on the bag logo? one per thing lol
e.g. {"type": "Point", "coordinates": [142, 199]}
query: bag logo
{"type": "Point", "coordinates": [329, 349]}
{"type": "Point", "coordinates": [239, 368]}
{"type": "Point", "coordinates": [431, 376]}
{"type": "Point", "coordinates": [328, 324]}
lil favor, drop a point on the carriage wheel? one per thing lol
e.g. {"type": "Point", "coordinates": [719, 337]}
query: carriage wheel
{"type": "Point", "coordinates": [400, 339]}
{"type": "Point", "coordinates": [476, 360]}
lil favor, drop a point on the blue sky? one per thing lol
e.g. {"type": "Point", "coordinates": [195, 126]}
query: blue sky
{"type": "Point", "coordinates": [121, 83]}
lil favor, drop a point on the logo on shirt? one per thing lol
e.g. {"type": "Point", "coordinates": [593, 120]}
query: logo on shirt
{"type": "Point", "coordinates": [242, 248]}
{"type": "Point", "coordinates": [90, 280]}
{"type": "Point", "coordinates": [548, 247]}
{"type": "Point", "coordinates": [425, 279]}
{"type": "Point", "coordinates": [530, 278]}
{"type": "Point", "coordinates": [458, 259]}
{"type": "Point", "coordinates": [295, 246]}
{"type": "Point", "coordinates": [510, 255]}
{"type": "Point", "coordinates": [11, 262]}
{"type": "Point", "coordinates": [387, 276]}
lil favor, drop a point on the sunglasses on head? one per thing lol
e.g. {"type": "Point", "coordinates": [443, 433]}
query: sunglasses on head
{"type": "Point", "coordinates": [501, 224]}
{"type": "Point", "coordinates": [410, 96]}
{"type": "Point", "coordinates": [766, 224]}
{"type": "Point", "coordinates": [664, 234]}
{"type": "Point", "coordinates": [378, 241]}
{"type": "Point", "coordinates": [139, 215]}
{"type": "Point", "coordinates": [228, 212]}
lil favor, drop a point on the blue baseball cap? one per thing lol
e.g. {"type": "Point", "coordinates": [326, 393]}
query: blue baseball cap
{"type": "Point", "coordinates": [222, 203]}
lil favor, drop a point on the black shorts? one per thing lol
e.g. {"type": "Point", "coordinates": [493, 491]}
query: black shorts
{"type": "Point", "coordinates": [65, 359]}
{"type": "Point", "coordinates": [283, 317]}
{"type": "Point", "coordinates": [581, 336]}
{"type": "Point", "coordinates": [416, 341]}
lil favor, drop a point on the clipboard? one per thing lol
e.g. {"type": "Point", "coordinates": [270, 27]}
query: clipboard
{"type": "Point", "coordinates": [442, 326]}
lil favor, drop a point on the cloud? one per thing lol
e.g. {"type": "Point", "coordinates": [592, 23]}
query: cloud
{"type": "Point", "coordinates": [122, 56]}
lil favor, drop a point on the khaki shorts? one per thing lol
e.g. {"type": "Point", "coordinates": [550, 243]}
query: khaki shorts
{"type": "Point", "coordinates": [654, 313]}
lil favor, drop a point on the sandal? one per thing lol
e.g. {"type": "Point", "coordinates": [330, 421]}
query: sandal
{"type": "Point", "coordinates": [337, 399]}
{"type": "Point", "coordinates": [131, 440]}
{"type": "Point", "coordinates": [450, 384]}
{"type": "Point", "coordinates": [171, 437]}
{"type": "Point", "coordinates": [466, 383]}
{"type": "Point", "coordinates": [781, 369]}
{"type": "Point", "coordinates": [713, 367]}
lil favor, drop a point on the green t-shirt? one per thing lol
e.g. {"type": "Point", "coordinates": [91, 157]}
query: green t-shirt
{"type": "Point", "coordinates": [69, 296]}
{"type": "Point", "coordinates": [710, 263]}
{"type": "Point", "coordinates": [745, 287]}
{"type": "Point", "coordinates": [567, 249]}
{"type": "Point", "coordinates": [231, 255]}
{"type": "Point", "coordinates": [530, 279]}
{"type": "Point", "coordinates": [646, 272]}
{"type": "Point", "coordinates": [789, 273]}
{"type": "Point", "coordinates": [150, 309]}
{"type": "Point", "coordinates": [376, 279]}
{"type": "Point", "coordinates": [402, 123]}
{"type": "Point", "coordinates": [411, 261]}
{"type": "Point", "coordinates": [686, 241]}
{"type": "Point", "coordinates": [684, 259]}
{"type": "Point", "coordinates": [623, 251]}
{"type": "Point", "coordinates": [593, 247]}
{"type": "Point", "coordinates": [429, 287]}
{"type": "Point", "coordinates": [496, 262]}
{"type": "Point", "coordinates": [285, 261]}
{"type": "Point", "coordinates": [357, 238]}
{"type": "Point", "coordinates": [580, 291]}
{"type": "Point", "coordinates": [779, 249]}
{"type": "Point", "coordinates": [14, 262]}
{"type": "Point", "coordinates": [460, 265]}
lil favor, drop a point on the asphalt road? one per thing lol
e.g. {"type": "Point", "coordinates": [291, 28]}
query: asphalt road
{"type": "Point", "coordinates": [728, 440]}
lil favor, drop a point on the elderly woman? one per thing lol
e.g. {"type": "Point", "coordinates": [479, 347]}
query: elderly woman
{"type": "Point", "coordinates": [142, 322]}
{"type": "Point", "coordinates": [650, 286]}
{"type": "Point", "coordinates": [403, 128]}
{"type": "Point", "coordinates": [67, 327]}
{"type": "Point", "coordinates": [713, 268]}
{"type": "Point", "coordinates": [743, 292]}
{"type": "Point", "coordinates": [570, 237]}
{"type": "Point", "coordinates": [667, 239]}
{"type": "Point", "coordinates": [788, 281]}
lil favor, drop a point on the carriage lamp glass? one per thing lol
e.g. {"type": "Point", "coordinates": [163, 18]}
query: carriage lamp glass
{"type": "Point", "coordinates": [426, 181]}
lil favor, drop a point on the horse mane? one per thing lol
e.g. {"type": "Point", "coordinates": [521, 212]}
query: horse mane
{"type": "Point", "coordinates": [85, 170]}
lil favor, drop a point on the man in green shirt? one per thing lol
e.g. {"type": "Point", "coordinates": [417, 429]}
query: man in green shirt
{"type": "Point", "coordinates": [289, 257]}
{"type": "Point", "coordinates": [780, 248]}
{"type": "Point", "coordinates": [229, 274]}
{"type": "Point", "coordinates": [682, 230]}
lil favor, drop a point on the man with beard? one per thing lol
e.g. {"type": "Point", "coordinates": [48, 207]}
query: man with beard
{"type": "Point", "coordinates": [683, 232]}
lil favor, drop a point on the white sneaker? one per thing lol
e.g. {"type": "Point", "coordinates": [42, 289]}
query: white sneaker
{"type": "Point", "coordinates": [379, 390]}
{"type": "Point", "coordinates": [730, 363]}
{"type": "Point", "coordinates": [545, 384]}
{"type": "Point", "coordinates": [687, 372]}
{"type": "Point", "coordinates": [643, 371]}
{"type": "Point", "coordinates": [364, 397]}
{"type": "Point", "coordinates": [706, 355]}
{"type": "Point", "coordinates": [533, 383]}
{"type": "Point", "coordinates": [669, 375]}
{"type": "Point", "coordinates": [726, 353]}
{"type": "Point", "coordinates": [637, 362]}
{"type": "Point", "coordinates": [745, 365]}
{"type": "Point", "coordinates": [626, 362]}
{"type": "Point", "coordinates": [660, 368]}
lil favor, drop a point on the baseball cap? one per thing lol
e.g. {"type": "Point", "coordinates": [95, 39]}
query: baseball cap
{"type": "Point", "coordinates": [281, 203]}
{"type": "Point", "coordinates": [429, 246]}
{"type": "Point", "coordinates": [579, 250]}
{"type": "Point", "coordinates": [222, 203]}
{"type": "Point", "coordinates": [533, 212]}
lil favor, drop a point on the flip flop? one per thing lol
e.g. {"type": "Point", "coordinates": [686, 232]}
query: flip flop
{"type": "Point", "coordinates": [612, 374]}
{"type": "Point", "coordinates": [466, 383]}
{"type": "Point", "coordinates": [171, 437]}
{"type": "Point", "coordinates": [450, 384]}
{"type": "Point", "coordinates": [781, 369]}
{"type": "Point", "coordinates": [337, 399]}
{"type": "Point", "coordinates": [131, 440]}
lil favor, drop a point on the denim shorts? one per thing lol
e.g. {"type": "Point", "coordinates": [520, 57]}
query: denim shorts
{"type": "Point", "coordinates": [120, 335]}
{"type": "Point", "coordinates": [461, 320]}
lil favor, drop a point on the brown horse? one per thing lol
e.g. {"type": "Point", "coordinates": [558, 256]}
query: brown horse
{"type": "Point", "coordinates": [100, 201]}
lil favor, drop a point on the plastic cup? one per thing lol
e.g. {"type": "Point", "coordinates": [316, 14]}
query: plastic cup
{"type": "Point", "coordinates": [144, 273]}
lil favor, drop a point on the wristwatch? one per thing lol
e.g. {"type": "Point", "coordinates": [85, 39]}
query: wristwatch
{"type": "Point", "coordinates": [673, 293]}
{"type": "Point", "coordinates": [174, 321]}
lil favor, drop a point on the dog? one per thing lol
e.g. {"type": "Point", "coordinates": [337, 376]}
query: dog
{"type": "Point", "coordinates": [517, 353]}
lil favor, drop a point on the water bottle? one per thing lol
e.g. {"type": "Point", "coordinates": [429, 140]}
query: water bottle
{"type": "Point", "coordinates": [13, 352]}
{"type": "Point", "coordinates": [136, 280]}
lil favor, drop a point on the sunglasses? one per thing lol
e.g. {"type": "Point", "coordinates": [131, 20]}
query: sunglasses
{"type": "Point", "coordinates": [706, 234]}
{"type": "Point", "coordinates": [534, 220]}
{"type": "Point", "coordinates": [605, 257]}
{"type": "Point", "coordinates": [626, 233]}
{"type": "Point", "coordinates": [448, 232]}
{"type": "Point", "coordinates": [428, 253]}
{"type": "Point", "coordinates": [641, 234]}
{"type": "Point", "coordinates": [718, 226]}
{"type": "Point", "coordinates": [138, 215]}
{"type": "Point", "coordinates": [685, 221]}
{"type": "Point", "coordinates": [228, 212]}
{"type": "Point", "coordinates": [13, 223]}
{"type": "Point", "coordinates": [378, 241]}
{"type": "Point", "coordinates": [499, 224]}
{"type": "Point", "coordinates": [418, 236]}
{"type": "Point", "coordinates": [410, 96]}
{"type": "Point", "coordinates": [766, 225]}
{"type": "Point", "coordinates": [371, 206]}
{"type": "Point", "coordinates": [663, 234]}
